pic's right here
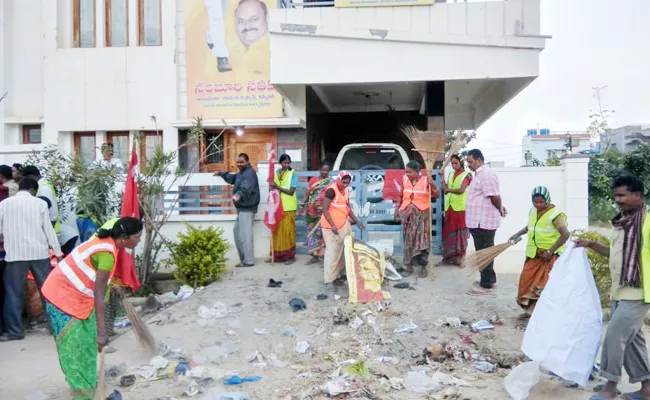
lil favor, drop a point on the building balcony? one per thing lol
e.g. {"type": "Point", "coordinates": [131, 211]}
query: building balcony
{"type": "Point", "coordinates": [485, 52]}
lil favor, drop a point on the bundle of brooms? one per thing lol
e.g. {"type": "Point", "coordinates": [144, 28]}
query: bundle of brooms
{"type": "Point", "coordinates": [430, 145]}
{"type": "Point", "coordinates": [482, 258]}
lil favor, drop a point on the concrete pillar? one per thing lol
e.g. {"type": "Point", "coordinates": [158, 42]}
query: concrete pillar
{"type": "Point", "coordinates": [576, 189]}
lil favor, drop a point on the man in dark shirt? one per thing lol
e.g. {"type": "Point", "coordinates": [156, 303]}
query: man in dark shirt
{"type": "Point", "coordinates": [246, 197]}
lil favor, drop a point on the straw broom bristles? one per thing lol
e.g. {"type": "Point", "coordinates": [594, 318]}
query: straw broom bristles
{"type": "Point", "coordinates": [480, 259]}
{"type": "Point", "coordinates": [100, 393]}
{"type": "Point", "coordinates": [142, 331]}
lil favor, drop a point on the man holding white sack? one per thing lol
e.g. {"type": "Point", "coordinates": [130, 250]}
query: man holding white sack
{"type": "Point", "coordinates": [624, 344]}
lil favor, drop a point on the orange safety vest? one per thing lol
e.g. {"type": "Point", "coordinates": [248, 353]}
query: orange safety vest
{"type": "Point", "coordinates": [339, 208]}
{"type": "Point", "coordinates": [419, 194]}
{"type": "Point", "coordinates": [71, 286]}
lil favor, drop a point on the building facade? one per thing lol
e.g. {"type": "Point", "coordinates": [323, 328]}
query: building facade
{"type": "Point", "coordinates": [540, 147]}
{"type": "Point", "coordinates": [78, 73]}
{"type": "Point", "coordinates": [625, 138]}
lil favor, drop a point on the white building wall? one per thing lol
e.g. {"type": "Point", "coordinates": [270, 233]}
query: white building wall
{"type": "Point", "coordinates": [539, 148]}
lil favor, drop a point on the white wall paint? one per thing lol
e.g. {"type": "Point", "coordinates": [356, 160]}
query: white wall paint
{"type": "Point", "coordinates": [540, 148]}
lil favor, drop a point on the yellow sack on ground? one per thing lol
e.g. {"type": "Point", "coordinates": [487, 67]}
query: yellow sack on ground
{"type": "Point", "coordinates": [365, 268]}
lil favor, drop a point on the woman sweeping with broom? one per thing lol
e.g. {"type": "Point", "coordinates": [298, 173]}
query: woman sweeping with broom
{"type": "Point", "coordinates": [74, 294]}
{"type": "Point", "coordinates": [412, 210]}
{"type": "Point", "coordinates": [547, 233]}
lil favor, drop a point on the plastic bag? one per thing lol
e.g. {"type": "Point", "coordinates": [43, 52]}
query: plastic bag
{"type": "Point", "coordinates": [521, 380]}
{"type": "Point", "coordinates": [564, 332]}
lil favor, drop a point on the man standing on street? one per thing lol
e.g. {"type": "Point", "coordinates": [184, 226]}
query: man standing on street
{"type": "Point", "coordinates": [483, 213]}
{"type": "Point", "coordinates": [246, 197]}
{"type": "Point", "coordinates": [46, 190]}
{"type": "Point", "coordinates": [28, 236]}
{"type": "Point", "coordinates": [624, 344]}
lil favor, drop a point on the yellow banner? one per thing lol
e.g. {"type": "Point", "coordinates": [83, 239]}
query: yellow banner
{"type": "Point", "coordinates": [381, 3]}
{"type": "Point", "coordinates": [228, 60]}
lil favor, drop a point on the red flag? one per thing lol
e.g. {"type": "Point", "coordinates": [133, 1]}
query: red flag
{"type": "Point", "coordinates": [125, 274]}
{"type": "Point", "coordinates": [274, 211]}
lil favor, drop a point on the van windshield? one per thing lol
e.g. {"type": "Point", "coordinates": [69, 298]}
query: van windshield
{"type": "Point", "coordinates": [371, 158]}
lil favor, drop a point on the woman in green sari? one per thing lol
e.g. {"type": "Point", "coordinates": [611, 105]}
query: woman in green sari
{"type": "Point", "coordinates": [313, 208]}
{"type": "Point", "coordinates": [74, 294]}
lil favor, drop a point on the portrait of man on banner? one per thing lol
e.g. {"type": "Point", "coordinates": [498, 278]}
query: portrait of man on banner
{"type": "Point", "coordinates": [228, 60]}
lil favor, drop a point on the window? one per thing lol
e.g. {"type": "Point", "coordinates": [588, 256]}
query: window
{"type": "Point", "coordinates": [214, 155]}
{"type": "Point", "coordinates": [84, 146]}
{"type": "Point", "coordinates": [149, 23]}
{"type": "Point", "coordinates": [117, 23]}
{"type": "Point", "coordinates": [120, 142]}
{"type": "Point", "coordinates": [31, 134]}
{"type": "Point", "coordinates": [150, 142]}
{"type": "Point", "coordinates": [83, 23]}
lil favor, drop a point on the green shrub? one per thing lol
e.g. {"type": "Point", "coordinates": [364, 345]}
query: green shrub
{"type": "Point", "coordinates": [599, 264]}
{"type": "Point", "coordinates": [199, 256]}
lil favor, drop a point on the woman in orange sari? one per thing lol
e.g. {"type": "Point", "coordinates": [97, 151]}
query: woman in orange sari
{"type": "Point", "coordinates": [547, 232]}
{"type": "Point", "coordinates": [313, 208]}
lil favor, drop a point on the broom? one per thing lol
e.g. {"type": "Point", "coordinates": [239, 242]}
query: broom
{"type": "Point", "coordinates": [100, 393]}
{"type": "Point", "coordinates": [429, 144]}
{"type": "Point", "coordinates": [140, 328]}
{"type": "Point", "coordinates": [480, 259]}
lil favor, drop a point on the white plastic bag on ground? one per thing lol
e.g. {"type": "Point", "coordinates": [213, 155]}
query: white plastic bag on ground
{"type": "Point", "coordinates": [521, 379]}
{"type": "Point", "coordinates": [564, 332]}
{"type": "Point", "coordinates": [385, 246]}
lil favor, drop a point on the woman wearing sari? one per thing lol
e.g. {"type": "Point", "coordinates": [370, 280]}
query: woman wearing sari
{"type": "Point", "coordinates": [412, 210]}
{"type": "Point", "coordinates": [454, 231]}
{"type": "Point", "coordinates": [284, 236]}
{"type": "Point", "coordinates": [547, 233]}
{"type": "Point", "coordinates": [313, 208]}
{"type": "Point", "coordinates": [74, 294]}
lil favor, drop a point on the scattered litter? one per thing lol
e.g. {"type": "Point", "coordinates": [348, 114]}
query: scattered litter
{"type": "Point", "coordinates": [167, 298]}
{"type": "Point", "coordinates": [359, 369]}
{"type": "Point", "coordinates": [127, 380]}
{"type": "Point", "coordinates": [297, 304]}
{"type": "Point", "coordinates": [256, 356]}
{"type": "Point", "coordinates": [301, 347]}
{"type": "Point", "coordinates": [116, 395]}
{"type": "Point", "coordinates": [289, 332]}
{"type": "Point", "coordinates": [521, 380]}
{"type": "Point", "coordinates": [320, 330]}
{"type": "Point", "coordinates": [404, 328]}
{"type": "Point", "coordinates": [340, 318]}
{"type": "Point", "coordinates": [182, 368]}
{"type": "Point", "coordinates": [123, 323]}
{"type": "Point", "coordinates": [402, 285]}
{"type": "Point", "coordinates": [274, 361]}
{"type": "Point", "coordinates": [388, 360]}
{"type": "Point", "coordinates": [420, 382]}
{"type": "Point", "coordinates": [321, 297]}
{"type": "Point", "coordinates": [262, 331]}
{"type": "Point", "coordinates": [482, 326]}
{"type": "Point", "coordinates": [230, 332]}
{"type": "Point", "coordinates": [238, 380]}
{"type": "Point", "coordinates": [184, 292]}
{"type": "Point", "coordinates": [273, 283]}
{"type": "Point", "coordinates": [453, 322]}
{"type": "Point", "coordinates": [391, 272]}
{"type": "Point", "coordinates": [435, 352]}
{"type": "Point", "coordinates": [337, 297]}
{"type": "Point", "coordinates": [356, 323]}
{"type": "Point", "coordinates": [219, 310]}
{"type": "Point", "coordinates": [338, 386]}
{"type": "Point", "coordinates": [145, 371]}
{"type": "Point", "coordinates": [484, 366]}
{"type": "Point", "coordinates": [372, 321]}
{"type": "Point", "coordinates": [197, 372]}
{"type": "Point", "coordinates": [115, 371]}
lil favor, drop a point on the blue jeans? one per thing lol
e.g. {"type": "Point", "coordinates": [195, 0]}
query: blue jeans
{"type": "Point", "coordinates": [15, 277]}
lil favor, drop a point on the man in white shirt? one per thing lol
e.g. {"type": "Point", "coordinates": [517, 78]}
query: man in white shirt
{"type": "Point", "coordinates": [45, 189]}
{"type": "Point", "coordinates": [108, 160]}
{"type": "Point", "coordinates": [28, 236]}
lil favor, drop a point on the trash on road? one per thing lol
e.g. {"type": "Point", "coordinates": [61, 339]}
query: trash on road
{"type": "Point", "coordinates": [521, 380]}
{"type": "Point", "coordinates": [356, 323]}
{"type": "Point", "coordinates": [453, 322]}
{"type": "Point", "coordinates": [288, 331]}
{"type": "Point", "coordinates": [388, 360]}
{"type": "Point", "coordinates": [402, 285]}
{"type": "Point", "coordinates": [404, 328]}
{"type": "Point", "coordinates": [274, 284]}
{"type": "Point", "coordinates": [218, 310]}
{"type": "Point", "coordinates": [360, 369]}
{"type": "Point", "coordinates": [262, 331]}
{"type": "Point", "coordinates": [184, 292]}
{"type": "Point", "coordinates": [319, 331]}
{"type": "Point", "coordinates": [484, 366]}
{"type": "Point", "coordinates": [127, 380]}
{"type": "Point", "coordinates": [116, 395]}
{"type": "Point", "coordinates": [238, 380]}
{"type": "Point", "coordinates": [420, 382]}
{"type": "Point", "coordinates": [114, 371]}
{"type": "Point", "coordinates": [297, 304]}
{"type": "Point", "coordinates": [482, 326]}
{"type": "Point", "coordinates": [301, 347]}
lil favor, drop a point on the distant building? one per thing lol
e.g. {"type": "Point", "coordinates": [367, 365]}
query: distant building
{"type": "Point", "coordinates": [625, 138]}
{"type": "Point", "coordinates": [542, 144]}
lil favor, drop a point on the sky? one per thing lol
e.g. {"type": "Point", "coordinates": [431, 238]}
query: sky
{"type": "Point", "coordinates": [594, 43]}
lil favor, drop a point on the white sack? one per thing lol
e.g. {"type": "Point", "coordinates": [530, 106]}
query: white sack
{"type": "Point", "coordinates": [521, 379]}
{"type": "Point", "coordinates": [564, 332]}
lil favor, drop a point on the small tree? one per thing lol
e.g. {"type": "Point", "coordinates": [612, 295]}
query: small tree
{"type": "Point", "coordinates": [599, 120]}
{"type": "Point", "coordinates": [451, 136]}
